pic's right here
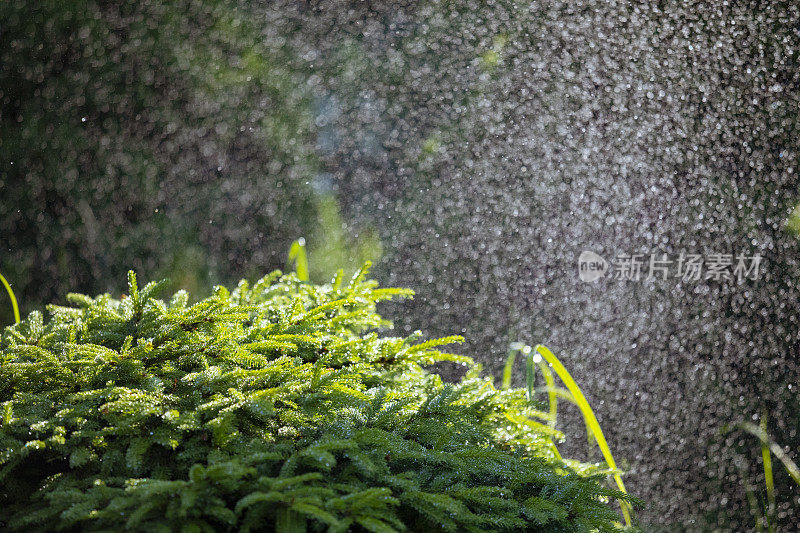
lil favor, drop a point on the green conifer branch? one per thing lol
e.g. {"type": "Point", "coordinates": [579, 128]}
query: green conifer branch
{"type": "Point", "coordinates": [277, 406]}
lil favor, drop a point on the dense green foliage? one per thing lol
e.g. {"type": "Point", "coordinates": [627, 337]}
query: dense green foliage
{"type": "Point", "coordinates": [271, 407]}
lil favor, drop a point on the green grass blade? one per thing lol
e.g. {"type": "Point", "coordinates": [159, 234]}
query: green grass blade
{"type": "Point", "coordinates": [558, 392]}
{"type": "Point", "coordinates": [297, 253]}
{"type": "Point", "coordinates": [509, 367]}
{"type": "Point", "coordinates": [777, 451]}
{"type": "Point", "coordinates": [530, 378]}
{"type": "Point", "coordinates": [512, 355]}
{"type": "Point", "coordinates": [13, 299]}
{"type": "Point", "coordinates": [530, 381]}
{"type": "Point", "coordinates": [551, 390]}
{"type": "Point", "coordinates": [752, 501]}
{"type": "Point", "coordinates": [766, 460]}
{"type": "Point", "coordinates": [589, 417]}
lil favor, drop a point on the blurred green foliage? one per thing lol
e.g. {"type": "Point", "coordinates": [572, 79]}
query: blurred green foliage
{"type": "Point", "coordinates": [338, 246]}
{"type": "Point", "coordinates": [169, 136]}
{"type": "Point", "coordinates": [793, 223]}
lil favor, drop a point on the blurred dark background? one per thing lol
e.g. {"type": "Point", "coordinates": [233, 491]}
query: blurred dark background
{"type": "Point", "coordinates": [167, 137]}
{"type": "Point", "coordinates": [473, 150]}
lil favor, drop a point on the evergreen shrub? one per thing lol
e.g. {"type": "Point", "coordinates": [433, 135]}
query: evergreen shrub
{"type": "Point", "coordinates": [272, 407]}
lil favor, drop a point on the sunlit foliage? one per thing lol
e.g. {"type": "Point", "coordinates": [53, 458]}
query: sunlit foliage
{"type": "Point", "coordinates": [275, 406]}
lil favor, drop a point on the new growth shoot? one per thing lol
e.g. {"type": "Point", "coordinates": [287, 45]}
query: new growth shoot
{"type": "Point", "coordinates": [297, 253]}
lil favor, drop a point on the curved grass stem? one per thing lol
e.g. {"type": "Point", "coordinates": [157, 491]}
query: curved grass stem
{"type": "Point", "coordinates": [790, 466]}
{"type": "Point", "coordinates": [551, 390]}
{"type": "Point", "coordinates": [766, 460]}
{"type": "Point", "coordinates": [591, 421]}
{"type": "Point", "coordinates": [14, 305]}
